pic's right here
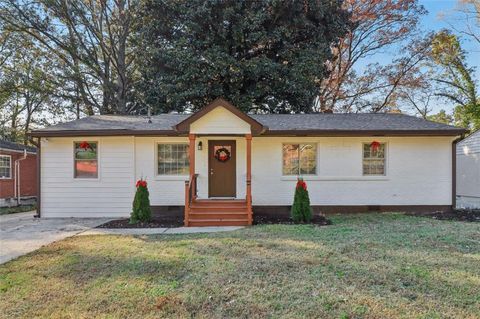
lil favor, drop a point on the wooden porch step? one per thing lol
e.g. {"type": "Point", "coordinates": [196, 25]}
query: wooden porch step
{"type": "Point", "coordinates": [218, 222]}
{"type": "Point", "coordinates": [207, 209]}
{"type": "Point", "coordinates": [215, 202]}
{"type": "Point", "coordinates": [218, 215]}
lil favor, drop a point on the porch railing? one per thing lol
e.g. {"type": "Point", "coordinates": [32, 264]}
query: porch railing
{"type": "Point", "coordinates": [249, 201]}
{"type": "Point", "coordinates": [190, 195]}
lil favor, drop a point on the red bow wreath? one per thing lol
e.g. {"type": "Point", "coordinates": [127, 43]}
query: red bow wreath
{"type": "Point", "coordinates": [141, 183]}
{"type": "Point", "coordinates": [85, 145]}
{"type": "Point", "coordinates": [302, 184]}
{"type": "Point", "coordinates": [375, 146]}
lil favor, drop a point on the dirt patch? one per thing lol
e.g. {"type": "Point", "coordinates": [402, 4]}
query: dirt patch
{"type": "Point", "coordinates": [270, 220]}
{"type": "Point", "coordinates": [154, 223]}
{"type": "Point", "coordinates": [466, 215]}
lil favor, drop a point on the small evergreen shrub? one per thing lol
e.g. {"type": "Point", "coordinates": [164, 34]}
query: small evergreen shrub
{"type": "Point", "coordinates": [301, 210]}
{"type": "Point", "coordinates": [141, 204]}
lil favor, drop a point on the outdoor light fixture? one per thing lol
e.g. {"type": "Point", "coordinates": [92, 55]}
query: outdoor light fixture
{"type": "Point", "coordinates": [199, 147]}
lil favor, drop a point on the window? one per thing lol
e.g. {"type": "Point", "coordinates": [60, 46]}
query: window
{"type": "Point", "coordinates": [299, 159]}
{"type": "Point", "coordinates": [373, 160]}
{"type": "Point", "coordinates": [5, 166]}
{"type": "Point", "coordinates": [86, 160]}
{"type": "Point", "coordinates": [173, 159]}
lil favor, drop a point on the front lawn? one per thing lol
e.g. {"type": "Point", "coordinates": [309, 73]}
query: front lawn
{"type": "Point", "coordinates": [363, 266]}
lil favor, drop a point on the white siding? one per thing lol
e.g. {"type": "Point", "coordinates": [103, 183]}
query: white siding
{"type": "Point", "coordinates": [418, 172]}
{"type": "Point", "coordinates": [110, 195]}
{"type": "Point", "coordinates": [164, 190]}
{"type": "Point", "coordinates": [220, 121]}
{"type": "Point", "coordinates": [468, 171]}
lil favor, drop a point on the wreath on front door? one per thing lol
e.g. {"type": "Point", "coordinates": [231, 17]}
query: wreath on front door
{"type": "Point", "coordinates": [222, 154]}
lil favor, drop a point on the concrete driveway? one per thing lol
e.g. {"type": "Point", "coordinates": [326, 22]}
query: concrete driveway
{"type": "Point", "coordinates": [22, 233]}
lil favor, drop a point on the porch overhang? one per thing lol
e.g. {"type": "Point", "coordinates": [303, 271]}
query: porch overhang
{"type": "Point", "coordinates": [185, 126]}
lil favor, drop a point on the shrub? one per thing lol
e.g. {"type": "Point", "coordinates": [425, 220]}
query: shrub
{"type": "Point", "coordinates": [141, 204]}
{"type": "Point", "coordinates": [301, 210]}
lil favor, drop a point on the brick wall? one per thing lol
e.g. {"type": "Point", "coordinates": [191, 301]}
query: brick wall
{"type": "Point", "coordinates": [28, 176]}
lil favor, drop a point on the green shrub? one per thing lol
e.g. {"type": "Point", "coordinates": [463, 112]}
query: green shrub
{"type": "Point", "coordinates": [141, 204]}
{"type": "Point", "coordinates": [301, 210]}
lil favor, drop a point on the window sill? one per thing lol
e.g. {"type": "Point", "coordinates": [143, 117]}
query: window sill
{"type": "Point", "coordinates": [172, 178]}
{"type": "Point", "coordinates": [336, 178]}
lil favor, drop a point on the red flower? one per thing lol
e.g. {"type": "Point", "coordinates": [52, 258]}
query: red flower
{"type": "Point", "coordinates": [141, 183]}
{"type": "Point", "coordinates": [302, 184]}
{"type": "Point", "coordinates": [85, 145]}
{"type": "Point", "coordinates": [375, 146]}
{"type": "Point", "coordinates": [223, 157]}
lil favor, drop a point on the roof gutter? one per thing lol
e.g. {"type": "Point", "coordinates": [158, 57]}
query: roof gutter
{"type": "Point", "coordinates": [328, 133]}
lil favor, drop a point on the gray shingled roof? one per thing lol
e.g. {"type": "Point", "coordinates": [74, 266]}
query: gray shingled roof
{"type": "Point", "coordinates": [321, 122]}
{"type": "Point", "coordinates": [6, 145]}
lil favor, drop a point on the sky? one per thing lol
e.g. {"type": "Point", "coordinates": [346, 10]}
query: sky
{"type": "Point", "coordinates": [443, 14]}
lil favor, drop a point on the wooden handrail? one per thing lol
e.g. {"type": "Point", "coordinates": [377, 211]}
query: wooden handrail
{"type": "Point", "coordinates": [190, 195]}
{"type": "Point", "coordinates": [249, 201]}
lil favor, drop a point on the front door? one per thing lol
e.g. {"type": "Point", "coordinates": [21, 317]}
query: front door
{"type": "Point", "coordinates": [222, 169]}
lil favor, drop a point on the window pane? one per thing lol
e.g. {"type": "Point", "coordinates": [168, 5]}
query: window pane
{"type": "Point", "coordinates": [373, 161]}
{"type": "Point", "coordinates": [86, 165]}
{"type": "Point", "coordinates": [173, 159]}
{"type": "Point", "coordinates": [89, 151]}
{"type": "Point", "coordinates": [308, 159]}
{"type": "Point", "coordinates": [290, 159]}
{"type": "Point", "coordinates": [5, 165]}
{"type": "Point", "coordinates": [86, 169]}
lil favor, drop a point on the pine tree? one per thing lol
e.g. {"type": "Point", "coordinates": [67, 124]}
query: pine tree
{"type": "Point", "coordinates": [301, 210]}
{"type": "Point", "coordinates": [141, 204]}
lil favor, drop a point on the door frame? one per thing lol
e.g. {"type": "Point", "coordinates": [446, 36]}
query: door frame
{"type": "Point", "coordinates": [210, 159]}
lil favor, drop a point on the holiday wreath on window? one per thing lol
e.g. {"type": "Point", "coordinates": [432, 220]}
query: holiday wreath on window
{"type": "Point", "coordinates": [222, 154]}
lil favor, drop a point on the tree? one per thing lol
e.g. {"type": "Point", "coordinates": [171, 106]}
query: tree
{"type": "Point", "coordinates": [441, 117]}
{"type": "Point", "coordinates": [301, 210]}
{"type": "Point", "coordinates": [25, 86]}
{"type": "Point", "coordinates": [91, 41]}
{"type": "Point", "coordinates": [141, 204]}
{"type": "Point", "coordinates": [376, 27]}
{"type": "Point", "coordinates": [456, 79]}
{"type": "Point", "coordinates": [264, 56]}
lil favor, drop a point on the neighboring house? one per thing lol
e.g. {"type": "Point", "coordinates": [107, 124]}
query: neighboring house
{"type": "Point", "coordinates": [18, 174]}
{"type": "Point", "coordinates": [468, 172]}
{"type": "Point", "coordinates": [214, 165]}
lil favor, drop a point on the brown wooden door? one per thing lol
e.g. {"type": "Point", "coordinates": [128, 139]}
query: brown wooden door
{"type": "Point", "coordinates": [222, 169]}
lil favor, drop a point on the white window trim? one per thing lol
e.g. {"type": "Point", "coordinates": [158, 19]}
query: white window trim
{"type": "Point", "coordinates": [10, 157]}
{"type": "Point", "coordinates": [385, 160]}
{"type": "Point", "coordinates": [163, 177]}
{"type": "Point", "coordinates": [295, 177]}
{"type": "Point", "coordinates": [98, 163]}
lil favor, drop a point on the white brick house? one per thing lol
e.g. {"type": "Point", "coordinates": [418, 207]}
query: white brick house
{"type": "Point", "coordinates": [220, 160]}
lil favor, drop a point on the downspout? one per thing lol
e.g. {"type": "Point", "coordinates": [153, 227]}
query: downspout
{"type": "Point", "coordinates": [38, 145]}
{"type": "Point", "coordinates": [18, 176]}
{"type": "Point", "coordinates": [454, 170]}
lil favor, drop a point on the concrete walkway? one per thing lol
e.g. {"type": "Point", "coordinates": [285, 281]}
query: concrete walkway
{"type": "Point", "coordinates": [22, 233]}
{"type": "Point", "coordinates": [157, 231]}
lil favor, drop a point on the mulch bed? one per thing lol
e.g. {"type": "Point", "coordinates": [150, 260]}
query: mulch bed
{"type": "Point", "coordinates": [154, 223]}
{"type": "Point", "coordinates": [162, 223]}
{"type": "Point", "coordinates": [271, 220]}
{"type": "Point", "coordinates": [465, 215]}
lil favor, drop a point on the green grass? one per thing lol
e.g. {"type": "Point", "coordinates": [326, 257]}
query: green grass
{"type": "Point", "coordinates": [364, 266]}
{"type": "Point", "coordinates": [17, 209]}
